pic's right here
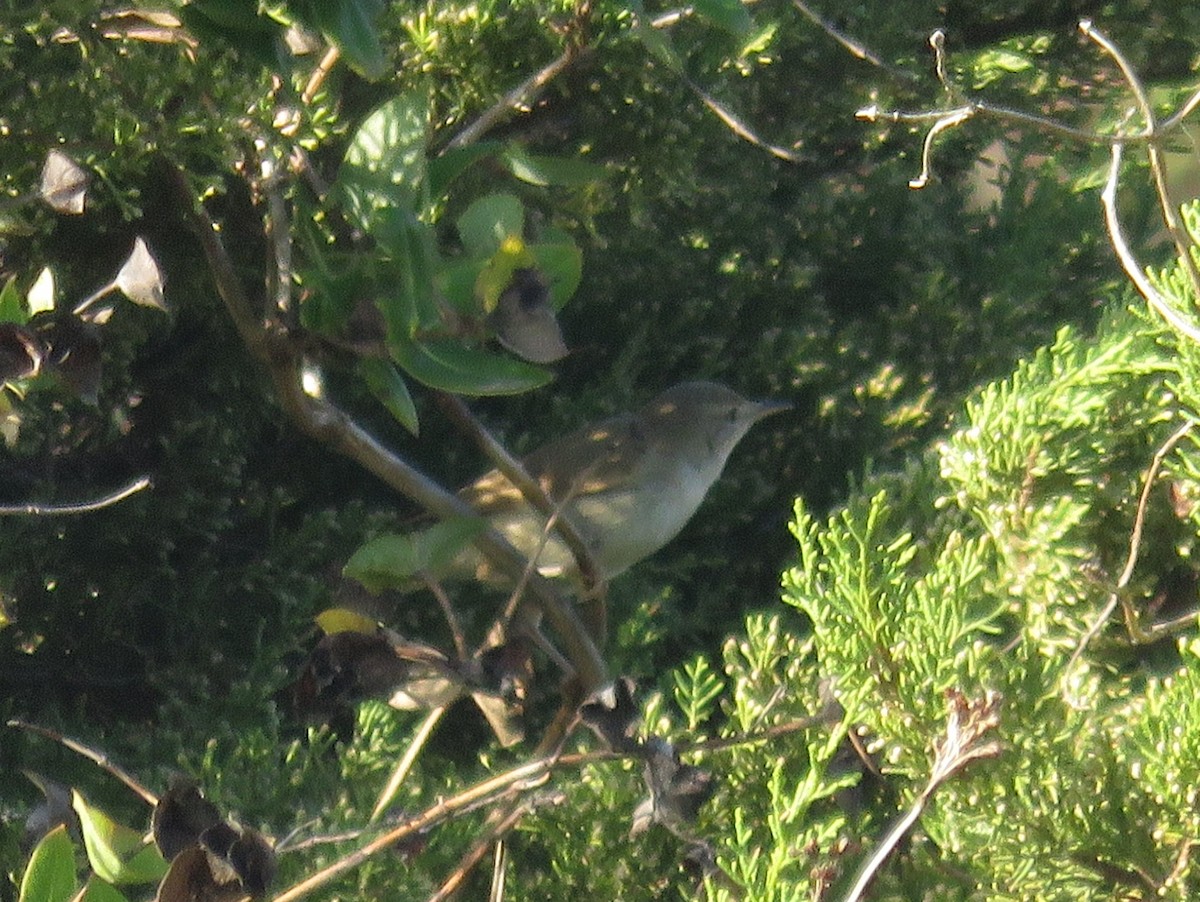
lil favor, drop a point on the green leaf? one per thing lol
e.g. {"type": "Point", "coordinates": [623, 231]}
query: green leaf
{"type": "Point", "coordinates": [12, 308]}
{"type": "Point", "coordinates": [451, 366]}
{"type": "Point", "coordinates": [235, 24]}
{"type": "Point", "coordinates": [350, 24]}
{"type": "Point", "coordinates": [389, 387]}
{"type": "Point", "coordinates": [117, 853]}
{"type": "Point", "coordinates": [50, 874]}
{"type": "Point", "coordinates": [392, 560]}
{"type": "Point", "coordinates": [728, 15]}
{"type": "Point", "coordinates": [444, 169]}
{"type": "Point", "coordinates": [542, 170]}
{"type": "Point", "coordinates": [561, 264]}
{"type": "Point", "coordinates": [485, 224]}
{"type": "Point", "coordinates": [456, 283]}
{"type": "Point", "coordinates": [408, 245]}
{"type": "Point", "coordinates": [99, 891]}
{"type": "Point", "coordinates": [653, 38]}
{"type": "Point", "coordinates": [384, 167]}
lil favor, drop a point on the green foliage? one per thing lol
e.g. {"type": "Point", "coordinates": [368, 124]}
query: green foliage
{"type": "Point", "coordinates": [167, 629]}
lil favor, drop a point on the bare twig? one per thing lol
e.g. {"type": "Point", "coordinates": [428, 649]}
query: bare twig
{"type": "Point", "coordinates": [452, 621]}
{"type": "Point", "coordinates": [320, 73]}
{"type": "Point", "coordinates": [279, 276]}
{"type": "Point", "coordinates": [1108, 197]}
{"type": "Point", "coordinates": [518, 98]}
{"type": "Point", "coordinates": [969, 721]}
{"type": "Point", "coordinates": [456, 409]}
{"type": "Point", "coordinates": [740, 128]}
{"type": "Point", "coordinates": [530, 774]}
{"type": "Point", "coordinates": [404, 766]}
{"type": "Point", "coordinates": [37, 509]}
{"type": "Point", "coordinates": [493, 836]}
{"type": "Point", "coordinates": [856, 48]}
{"type": "Point", "coordinates": [1152, 131]}
{"type": "Point", "coordinates": [100, 759]}
{"type": "Point", "coordinates": [1135, 544]}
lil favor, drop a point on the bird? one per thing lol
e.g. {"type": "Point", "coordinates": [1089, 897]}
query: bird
{"type": "Point", "coordinates": [627, 484]}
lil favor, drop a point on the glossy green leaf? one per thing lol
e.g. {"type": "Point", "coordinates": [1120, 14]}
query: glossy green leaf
{"type": "Point", "coordinates": [561, 265]}
{"type": "Point", "coordinates": [384, 167]}
{"type": "Point", "coordinates": [485, 224]}
{"type": "Point", "coordinates": [542, 170]}
{"type": "Point", "coordinates": [653, 39]}
{"type": "Point", "coordinates": [456, 283]}
{"type": "Point", "coordinates": [50, 874]}
{"type": "Point", "coordinates": [99, 891]}
{"type": "Point", "coordinates": [350, 24]}
{"type": "Point", "coordinates": [393, 560]}
{"type": "Point", "coordinates": [444, 169]}
{"type": "Point", "coordinates": [451, 366]}
{"type": "Point", "coordinates": [389, 387]}
{"type": "Point", "coordinates": [12, 308]}
{"type": "Point", "coordinates": [118, 854]}
{"type": "Point", "coordinates": [728, 15]}
{"type": "Point", "coordinates": [406, 300]}
{"type": "Point", "coordinates": [237, 25]}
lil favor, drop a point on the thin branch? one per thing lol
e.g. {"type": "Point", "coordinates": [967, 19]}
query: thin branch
{"type": "Point", "coordinates": [100, 759]}
{"type": "Point", "coordinates": [518, 98]}
{"type": "Point", "coordinates": [530, 773]}
{"type": "Point", "coordinates": [37, 509]}
{"type": "Point", "coordinates": [1135, 544]}
{"type": "Point", "coordinates": [969, 721]}
{"type": "Point", "coordinates": [1108, 197]}
{"type": "Point", "coordinates": [1158, 163]}
{"type": "Point", "coordinates": [494, 834]}
{"type": "Point", "coordinates": [405, 765]}
{"type": "Point", "coordinates": [460, 414]}
{"type": "Point", "coordinates": [456, 631]}
{"type": "Point", "coordinates": [856, 48]}
{"type": "Point", "coordinates": [738, 127]}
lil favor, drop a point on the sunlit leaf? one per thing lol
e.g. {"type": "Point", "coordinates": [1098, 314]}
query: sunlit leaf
{"type": "Point", "coordinates": [140, 279]}
{"type": "Point", "coordinates": [384, 167]}
{"type": "Point", "coordinates": [728, 15]}
{"type": "Point", "coordinates": [12, 308]}
{"type": "Point", "coordinates": [497, 272]}
{"type": "Point", "coordinates": [454, 367]}
{"type": "Point", "coordinates": [485, 224]}
{"type": "Point", "coordinates": [542, 170]}
{"type": "Point", "coordinates": [50, 874]}
{"type": "Point", "coordinates": [389, 387]}
{"type": "Point", "coordinates": [393, 560]}
{"type": "Point", "coordinates": [64, 183]}
{"type": "Point", "coordinates": [342, 620]}
{"type": "Point", "coordinates": [118, 854]}
{"type": "Point", "coordinates": [41, 293]}
{"type": "Point", "coordinates": [99, 891]}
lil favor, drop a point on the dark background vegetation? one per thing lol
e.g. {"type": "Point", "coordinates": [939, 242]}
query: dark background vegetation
{"type": "Point", "coordinates": [161, 629]}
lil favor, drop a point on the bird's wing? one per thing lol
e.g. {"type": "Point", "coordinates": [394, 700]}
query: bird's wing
{"type": "Point", "coordinates": [600, 453]}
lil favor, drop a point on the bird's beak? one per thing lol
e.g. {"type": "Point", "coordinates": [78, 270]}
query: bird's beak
{"type": "Point", "coordinates": [766, 408]}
